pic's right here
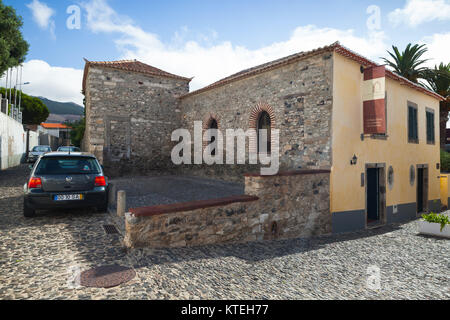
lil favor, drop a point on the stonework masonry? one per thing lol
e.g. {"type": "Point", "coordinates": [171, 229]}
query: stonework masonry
{"type": "Point", "coordinates": [288, 205]}
{"type": "Point", "coordinates": [298, 97]}
{"type": "Point", "coordinates": [130, 117]}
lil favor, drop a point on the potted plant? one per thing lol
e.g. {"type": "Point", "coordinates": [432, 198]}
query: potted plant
{"type": "Point", "coordinates": [435, 224]}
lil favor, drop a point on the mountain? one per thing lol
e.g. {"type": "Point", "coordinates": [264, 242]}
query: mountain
{"type": "Point", "coordinates": [62, 108]}
{"type": "Point", "coordinates": [61, 118]}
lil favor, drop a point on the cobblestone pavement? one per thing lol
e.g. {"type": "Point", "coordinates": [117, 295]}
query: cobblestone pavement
{"type": "Point", "coordinates": [36, 256]}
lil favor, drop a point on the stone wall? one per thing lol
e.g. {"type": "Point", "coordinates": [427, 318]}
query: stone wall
{"type": "Point", "coordinates": [298, 97]}
{"type": "Point", "coordinates": [130, 117]}
{"type": "Point", "coordinates": [288, 205]}
{"type": "Point", "coordinates": [297, 201]}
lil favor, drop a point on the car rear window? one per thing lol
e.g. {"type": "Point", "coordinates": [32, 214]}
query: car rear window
{"type": "Point", "coordinates": [67, 165]}
{"type": "Point", "coordinates": [66, 149]}
{"type": "Point", "coordinates": [41, 149]}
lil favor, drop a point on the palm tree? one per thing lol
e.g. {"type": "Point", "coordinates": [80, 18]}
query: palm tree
{"type": "Point", "coordinates": [406, 64]}
{"type": "Point", "coordinates": [439, 81]}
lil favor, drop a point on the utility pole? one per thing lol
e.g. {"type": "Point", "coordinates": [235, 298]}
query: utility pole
{"type": "Point", "coordinates": [15, 87]}
{"type": "Point", "coordinates": [10, 84]}
{"type": "Point", "coordinates": [20, 90]}
{"type": "Point", "coordinates": [6, 90]}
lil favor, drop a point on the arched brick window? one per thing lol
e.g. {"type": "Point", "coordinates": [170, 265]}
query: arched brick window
{"type": "Point", "coordinates": [262, 116]}
{"type": "Point", "coordinates": [211, 121]}
{"type": "Point", "coordinates": [264, 138]}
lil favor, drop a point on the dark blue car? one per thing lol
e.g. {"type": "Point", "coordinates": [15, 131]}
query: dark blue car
{"type": "Point", "coordinates": [62, 180]}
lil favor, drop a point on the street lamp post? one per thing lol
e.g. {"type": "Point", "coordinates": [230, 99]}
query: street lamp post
{"type": "Point", "coordinates": [20, 93]}
{"type": "Point", "coordinates": [20, 101]}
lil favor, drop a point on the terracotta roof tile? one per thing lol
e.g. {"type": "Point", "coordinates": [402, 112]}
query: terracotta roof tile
{"type": "Point", "coordinates": [130, 65]}
{"type": "Point", "coordinates": [54, 126]}
{"type": "Point", "coordinates": [264, 67]}
{"type": "Point", "coordinates": [336, 47]}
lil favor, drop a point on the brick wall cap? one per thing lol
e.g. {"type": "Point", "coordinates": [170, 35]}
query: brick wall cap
{"type": "Point", "coordinates": [290, 173]}
{"type": "Point", "coordinates": [189, 206]}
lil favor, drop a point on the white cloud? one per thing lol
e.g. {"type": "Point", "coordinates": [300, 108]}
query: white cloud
{"type": "Point", "coordinates": [55, 83]}
{"type": "Point", "coordinates": [42, 15]}
{"type": "Point", "coordinates": [416, 12]}
{"type": "Point", "coordinates": [209, 63]}
{"type": "Point", "coordinates": [438, 48]}
{"type": "Point", "coordinates": [207, 59]}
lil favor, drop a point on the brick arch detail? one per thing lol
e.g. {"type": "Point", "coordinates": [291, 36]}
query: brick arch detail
{"type": "Point", "coordinates": [207, 119]}
{"type": "Point", "coordinates": [256, 112]}
{"type": "Point", "coordinates": [253, 123]}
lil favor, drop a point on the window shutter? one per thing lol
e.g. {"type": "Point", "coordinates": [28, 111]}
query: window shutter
{"type": "Point", "coordinates": [432, 126]}
{"type": "Point", "coordinates": [416, 127]}
{"type": "Point", "coordinates": [410, 123]}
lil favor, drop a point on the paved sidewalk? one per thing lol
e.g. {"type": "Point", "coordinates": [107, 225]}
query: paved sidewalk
{"type": "Point", "coordinates": [36, 256]}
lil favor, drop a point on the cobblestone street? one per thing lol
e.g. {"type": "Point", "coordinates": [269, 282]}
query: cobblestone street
{"type": "Point", "coordinates": [38, 254]}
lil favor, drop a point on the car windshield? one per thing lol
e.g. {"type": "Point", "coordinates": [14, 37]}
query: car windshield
{"type": "Point", "coordinates": [41, 149]}
{"type": "Point", "coordinates": [69, 165]}
{"type": "Point", "coordinates": [66, 149]}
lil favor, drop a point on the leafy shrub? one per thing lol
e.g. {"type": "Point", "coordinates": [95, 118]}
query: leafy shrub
{"type": "Point", "coordinates": [77, 133]}
{"type": "Point", "coordinates": [442, 219]}
{"type": "Point", "coordinates": [445, 161]}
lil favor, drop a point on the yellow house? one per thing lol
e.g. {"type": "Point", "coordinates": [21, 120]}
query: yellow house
{"type": "Point", "coordinates": [382, 178]}
{"type": "Point", "coordinates": [384, 162]}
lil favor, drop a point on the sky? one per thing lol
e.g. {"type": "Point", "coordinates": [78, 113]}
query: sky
{"type": "Point", "coordinates": [211, 39]}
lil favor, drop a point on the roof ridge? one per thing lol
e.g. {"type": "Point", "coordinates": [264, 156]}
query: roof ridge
{"type": "Point", "coordinates": [263, 67]}
{"type": "Point", "coordinates": [335, 46]}
{"type": "Point", "coordinates": [132, 66]}
{"type": "Point", "coordinates": [116, 61]}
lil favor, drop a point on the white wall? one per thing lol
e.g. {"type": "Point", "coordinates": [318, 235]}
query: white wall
{"type": "Point", "coordinates": [13, 142]}
{"type": "Point", "coordinates": [50, 132]}
{"type": "Point", "coordinates": [34, 140]}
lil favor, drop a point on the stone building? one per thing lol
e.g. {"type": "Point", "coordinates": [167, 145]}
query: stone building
{"type": "Point", "coordinates": [315, 99]}
{"type": "Point", "coordinates": [131, 111]}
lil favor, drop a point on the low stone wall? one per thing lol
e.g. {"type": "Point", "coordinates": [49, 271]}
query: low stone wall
{"type": "Point", "coordinates": [191, 223]}
{"type": "Point", "coordinates": [288, 205]}
{"type": "Point", "coordinates": [297, 203]}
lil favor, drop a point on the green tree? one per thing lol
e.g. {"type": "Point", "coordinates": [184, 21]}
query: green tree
{"type": "Point", "coordinates": [34, 111]}
{"type": "Point", "coordinates": [77, 132]}
{"type": "Point", "coordinates": [407, 63]}
{"type": "Point", "coordinates": [438, 80]}
{"type": "Point", "coordinates": [13, 48]}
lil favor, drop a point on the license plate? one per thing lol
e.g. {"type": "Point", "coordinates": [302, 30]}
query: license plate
{"type": "Point", "coordinates": [68, 197]}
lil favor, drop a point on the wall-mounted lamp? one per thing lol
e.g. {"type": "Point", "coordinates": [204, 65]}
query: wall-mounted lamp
{"type": "Point", "coordinates": [354, 160]}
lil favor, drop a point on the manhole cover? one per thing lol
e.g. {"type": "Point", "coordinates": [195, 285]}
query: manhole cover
{"type": "Point", "coordinates": [106, 276]}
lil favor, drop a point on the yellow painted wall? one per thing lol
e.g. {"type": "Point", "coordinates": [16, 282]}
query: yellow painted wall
{"type": "Point", "coordinates": [347, 126]}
